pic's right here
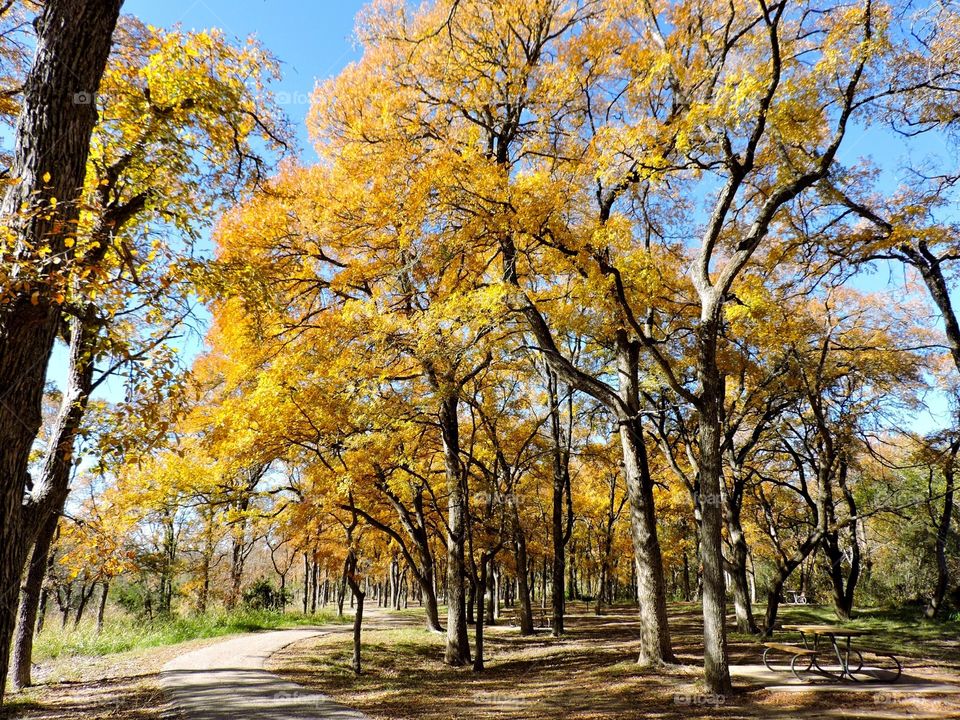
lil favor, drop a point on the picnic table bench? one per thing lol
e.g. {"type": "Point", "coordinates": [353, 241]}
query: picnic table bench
{"type": "Point", "coordinates": [821, 654]}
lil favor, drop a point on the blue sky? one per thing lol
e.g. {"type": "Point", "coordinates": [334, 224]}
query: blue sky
{"type": "Point", "coordinates": [313, 40]}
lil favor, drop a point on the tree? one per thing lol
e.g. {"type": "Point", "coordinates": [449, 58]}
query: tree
{"type": "Point", "coordinates": [160, 158]}
{"type": "Point", "coordinates": [40, 213]}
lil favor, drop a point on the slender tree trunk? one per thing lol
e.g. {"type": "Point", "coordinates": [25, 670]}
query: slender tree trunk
{"type": "Point", "coordinates": [64, 603]}
{"type": "Point", "coordinates": [458, 642]}
{"type": "Point", "coordinates": [525, 614]}
{"type": "Point", "coordinates": [738, 574]}
{"type": "Point", "coordinates": [306, 581]}
{"type": "Point", "coordinates": [86, 592]}
{"type": "Point", "coordinates": [489, 585]}
{"type": "Point", "coordinates": [42, 608]}
{"type": "Point", "coordinates": [105, 589]}
{"type": "Point", "coordinates": [349, 574]}
{"type": "Point", "coordinates": [428, 598]}
{"type": "Point", "coordinates": [30, 596]}
{"type": "Point", "coordinates": [561, 485]}
{"type": "Point", "coordinates": [485, 560]}
{"type": "Point", "coordinates": [935, 606]}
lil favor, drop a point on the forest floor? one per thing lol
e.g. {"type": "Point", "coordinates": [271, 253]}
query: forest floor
{"type": "Point", "coordinates": [589, 674]}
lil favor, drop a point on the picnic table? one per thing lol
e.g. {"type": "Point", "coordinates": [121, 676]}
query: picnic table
{"type": "Point", "coordinates": [822, 643]}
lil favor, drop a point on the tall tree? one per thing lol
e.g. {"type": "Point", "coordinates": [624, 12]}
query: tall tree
{"type": "Point", "coordinates": [40, 214]}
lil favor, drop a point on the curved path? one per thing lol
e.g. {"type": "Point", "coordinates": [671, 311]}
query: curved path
{"type": "Point", "coordinates": [227, 681]}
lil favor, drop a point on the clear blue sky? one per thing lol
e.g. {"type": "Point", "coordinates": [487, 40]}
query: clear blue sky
{"type": "Point", "coordinates": [313, 40]}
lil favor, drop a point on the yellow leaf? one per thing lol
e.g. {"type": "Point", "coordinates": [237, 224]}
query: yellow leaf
{"type": "Point", "coordinates": [46, 177]}
{"type": "Point", "coordinates": [69, 242]}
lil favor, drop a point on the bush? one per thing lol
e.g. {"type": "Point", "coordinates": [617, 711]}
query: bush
{"type": "Point", "coordinates": [263, 596]}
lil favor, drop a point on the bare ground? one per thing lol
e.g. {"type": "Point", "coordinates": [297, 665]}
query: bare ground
{"type": "Point", "coordinates": [123, 686]}
{"type": "Point", "coordinates": [591, 674]}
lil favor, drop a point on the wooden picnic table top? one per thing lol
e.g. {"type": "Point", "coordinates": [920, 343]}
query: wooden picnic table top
{"type": "Point", "coordinates": [827, 630]}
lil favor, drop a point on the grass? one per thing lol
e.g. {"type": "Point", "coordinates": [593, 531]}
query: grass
{"type": "Point", "coordinates": [903, 631]}
{"type": "Point", "coordinates": [125, 633]}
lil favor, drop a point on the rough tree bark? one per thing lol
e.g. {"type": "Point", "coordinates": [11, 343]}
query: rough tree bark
{"type": "Point", "coordinates": [561, 528]}
{"type": "Point", "coordinates": [52, 136]}
{"type": "Point", "coordinates": [715, 659]}
{"type": "Point", "coordinates": [525, 611]}
{"type": "Point", "coordinates": [458, 641]}
{"type": "Point", "coordinates": [53, 486]}
{"type": "Point", "coordinates": [30, 595]}
{"type": "Point", "coordinates": [935, 606]}
{"type": "Point", "coordinates": [655, 646]}
{"type": "Point", "coordinates": [350, 573]}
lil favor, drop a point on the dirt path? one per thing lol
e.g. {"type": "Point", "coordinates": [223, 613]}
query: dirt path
{"type": "Point", "coordinates": [227, 681]}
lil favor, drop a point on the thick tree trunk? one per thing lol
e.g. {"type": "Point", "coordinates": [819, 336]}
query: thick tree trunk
{"type": "Point", "coordinates": [715, 659]}
{"type": "Point", "coordinates": [773, 605]}
{"type": "Point", "coordinates": [52, 136]}
{"type": "Point", "coordinates": [655, 646]}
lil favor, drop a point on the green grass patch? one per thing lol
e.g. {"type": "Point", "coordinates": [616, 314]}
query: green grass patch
{"type": "Point", "coordinates": [900, 630]}
{"type": "Point", "coordinates": [128, 633]}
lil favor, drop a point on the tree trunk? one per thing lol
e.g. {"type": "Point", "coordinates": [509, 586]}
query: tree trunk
{"type": "Point", "coordinates": [655, 646]}
{"type": "Point", "coordinates": [349, 573]}
{"type": "Point", "coordinates": [935, 606]}
{"type": "Point", "coordinates": [30, 595]}
{"type": "Point", "coordinates": [103, 605]}
{"type": "Point", "coordinates": [715, 658]}
{"type": "Point", "coordinates": [458, 642]}
{"type": "Point", "coordinates": [485, 560]}
{"type": "Point", "coordinates": [773, 605]}
{"type": "Point", "coordinates": [561, 486]}
{"type": "Point", "coordinates": [86, 592]}
{"type": "Point", "coordinates": [491, 590]}
{"type": "Point", "coordinates": [52, 136]}
{"type": "Point", "coordinates": [525, 613]}
{"type": "Point", "coordinates": [306, 582]}
{"type": "Point", "coordinates": [738, 573]}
